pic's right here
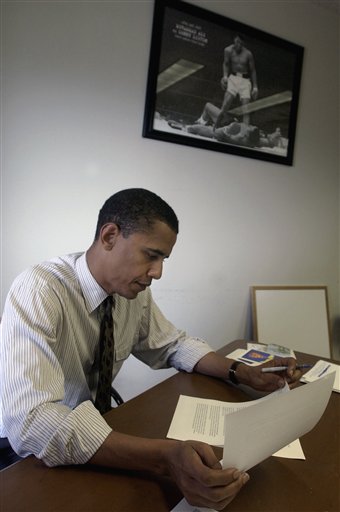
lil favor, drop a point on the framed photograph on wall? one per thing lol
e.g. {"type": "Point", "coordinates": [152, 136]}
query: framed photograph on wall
{"type": "Point", "coordinates": [218, 84]}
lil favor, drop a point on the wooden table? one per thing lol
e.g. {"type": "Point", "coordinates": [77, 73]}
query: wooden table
{"type": "Point", "coordinates": [276, 485]}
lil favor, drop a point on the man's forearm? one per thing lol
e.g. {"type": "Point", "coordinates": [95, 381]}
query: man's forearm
{"type": "Point", "coordinates": [215, 365]}
{"type": "Point", "coordinates": [135, 453]}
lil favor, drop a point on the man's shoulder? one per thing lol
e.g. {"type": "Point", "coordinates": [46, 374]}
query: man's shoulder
{"type": "Point", "coordinates": [229, 49]}
{"type": "Point", "coordinates": [56, 269]}
{"type": "Point", "coordinates": [248, 51]}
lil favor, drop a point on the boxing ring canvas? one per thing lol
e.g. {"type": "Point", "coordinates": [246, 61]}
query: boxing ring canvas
{"type": "Point", "coordinates": [218, 84]}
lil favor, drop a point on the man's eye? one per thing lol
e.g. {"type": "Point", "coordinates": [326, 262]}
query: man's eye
{"type": "Point", "coordinates": [155, 257]}
{"type": "Point", "coordinates": [152, 256]}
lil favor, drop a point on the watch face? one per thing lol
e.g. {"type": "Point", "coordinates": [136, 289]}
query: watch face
{"type": "Point", "coordinates": [232, 372]}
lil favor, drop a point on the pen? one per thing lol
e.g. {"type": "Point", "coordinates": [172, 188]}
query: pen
{"type": "Point", "coordinates": [324, 370]}
{"type": "Point", "coordinates": [282, 368]}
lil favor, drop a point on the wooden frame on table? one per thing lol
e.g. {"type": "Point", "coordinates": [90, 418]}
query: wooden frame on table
{"type": "Point", "coordinates": [293, 316]}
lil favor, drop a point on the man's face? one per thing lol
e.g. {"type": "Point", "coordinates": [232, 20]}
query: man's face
{"type": "Point", "coordinates": [238, 44]}
{"type": "Point", "coordinates": [132, 263]}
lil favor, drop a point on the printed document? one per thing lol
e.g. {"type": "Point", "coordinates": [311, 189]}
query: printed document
{"type": "Point", "coordinates": [202, 419]}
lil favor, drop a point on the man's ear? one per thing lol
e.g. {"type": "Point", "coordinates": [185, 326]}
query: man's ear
{"type": "Point", "coordinates": [108, 235]}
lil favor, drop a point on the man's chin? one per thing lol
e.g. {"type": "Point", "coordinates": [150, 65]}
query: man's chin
{"type": "Point", "coordinates": [130, 294]}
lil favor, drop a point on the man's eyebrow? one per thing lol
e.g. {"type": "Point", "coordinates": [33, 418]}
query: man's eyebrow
{"type": "Point", "coordinates": [158, 251]}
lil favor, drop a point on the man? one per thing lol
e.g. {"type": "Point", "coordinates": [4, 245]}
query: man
{"type": "Point", "coordinates": [50, 362]}
{"type": "Point", "coordinates": [240, 134]}
{"type": "Point", "coordinates": [239, 78]}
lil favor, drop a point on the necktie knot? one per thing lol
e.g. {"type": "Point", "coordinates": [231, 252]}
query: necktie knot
{"type": "Point", "coordinates": [105, 308]}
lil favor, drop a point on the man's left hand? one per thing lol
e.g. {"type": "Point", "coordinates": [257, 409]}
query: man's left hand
{"type": "Point", "coordinates": [269, 381]}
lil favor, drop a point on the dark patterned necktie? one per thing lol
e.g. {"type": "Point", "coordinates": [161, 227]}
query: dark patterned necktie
{"type": "Point", "coordinates": [103, 397]}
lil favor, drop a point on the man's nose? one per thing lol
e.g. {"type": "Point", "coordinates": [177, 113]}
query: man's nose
{"type": "Point", "coordinates": [156, 270]}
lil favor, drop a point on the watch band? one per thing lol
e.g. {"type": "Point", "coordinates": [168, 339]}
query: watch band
{"type": "Point", "coordinates": [232, 372]}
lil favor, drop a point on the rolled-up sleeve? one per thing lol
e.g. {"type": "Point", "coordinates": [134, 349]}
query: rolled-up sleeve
{"type": "Point", "coordinates": [188, 353]}
{"type": "Point", "coordinates": [75, 439]}
{"type": "Point", "coordinates": [42, 413]}
{"type": "Point", "coordinates": [162, 345]}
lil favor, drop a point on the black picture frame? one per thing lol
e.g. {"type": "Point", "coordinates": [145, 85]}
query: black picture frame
{"type": "Point", "coordinates": [185, 69]}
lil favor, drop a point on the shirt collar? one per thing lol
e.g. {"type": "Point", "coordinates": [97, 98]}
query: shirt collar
{"type": "Point", "coordinates": [93, 293]}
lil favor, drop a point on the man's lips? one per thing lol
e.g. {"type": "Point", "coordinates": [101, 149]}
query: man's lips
{"type": "Point", "coordinates": [143, 285]}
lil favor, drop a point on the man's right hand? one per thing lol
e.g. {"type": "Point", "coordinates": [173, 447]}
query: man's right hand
{"type": "Point", "coordinates": [199, 475]}
{"type": "Point", "coordinates": [191, 464]}
{"type": "Point", "coordinates": [224, 83]}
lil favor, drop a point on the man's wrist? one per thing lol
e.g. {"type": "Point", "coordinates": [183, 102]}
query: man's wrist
{"type": "Point", "coordinates": [232, 372]}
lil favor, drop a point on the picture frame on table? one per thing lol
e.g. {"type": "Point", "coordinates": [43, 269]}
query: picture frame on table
{"type": "Point", "coordinates": [294, 316]}
{"type": "Point", "coordinates": [218, 84]}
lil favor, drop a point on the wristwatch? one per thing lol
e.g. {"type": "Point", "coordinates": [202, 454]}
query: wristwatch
{"type": "Point", "coordinates": [232, 372]}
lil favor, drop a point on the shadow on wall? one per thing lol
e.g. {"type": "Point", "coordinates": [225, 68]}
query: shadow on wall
{"type": "Point", "coordinates": [136, 377]}
{"type": "Point", "coordinates": [248, 331]}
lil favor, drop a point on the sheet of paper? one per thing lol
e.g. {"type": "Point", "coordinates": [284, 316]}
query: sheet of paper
{"type": "Point", "coordinates": [293, 450]}
{"type": "Point", "coordinates": [254, 433]}
{"type": "Point", "coordinates": [319, 370]}
{"type": "Point", "coordinates": [183, 506]}
{"type": "Point", "coordinates": [202, 419]}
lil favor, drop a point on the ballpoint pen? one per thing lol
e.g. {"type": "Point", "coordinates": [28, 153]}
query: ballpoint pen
{"type": "Point", "coordinates": [324, 370]}
{"type": "Point", "coordinates": [282, 368]}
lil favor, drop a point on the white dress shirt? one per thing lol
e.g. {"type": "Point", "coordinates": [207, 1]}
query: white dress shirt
{"type": "Point", "coordinates": [49, 357]}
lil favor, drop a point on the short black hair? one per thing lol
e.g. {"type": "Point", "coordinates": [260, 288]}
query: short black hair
{"type": "Point", "coordinates": [135, 210]}
{"type": "Point", "coordinates": [238, 36]}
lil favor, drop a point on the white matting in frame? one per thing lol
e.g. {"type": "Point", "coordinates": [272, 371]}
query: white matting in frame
{"type": "Point", "coordinates": [293, 316]}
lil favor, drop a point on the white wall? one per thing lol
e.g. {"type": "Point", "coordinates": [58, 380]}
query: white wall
{"type": "Point", "coordinates": [73, 86]}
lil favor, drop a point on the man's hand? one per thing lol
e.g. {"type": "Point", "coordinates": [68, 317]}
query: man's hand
{"type": "Point", "coordinates": [224, 83]}
{"type": "Point", "coordinates": [271, 381]}
{"type": "Point", "coordinates": [254, 93]}
{"type": "Point", "coordinates": [198, 474]}
{"type": "Point", "coordinates": [191, 464]}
